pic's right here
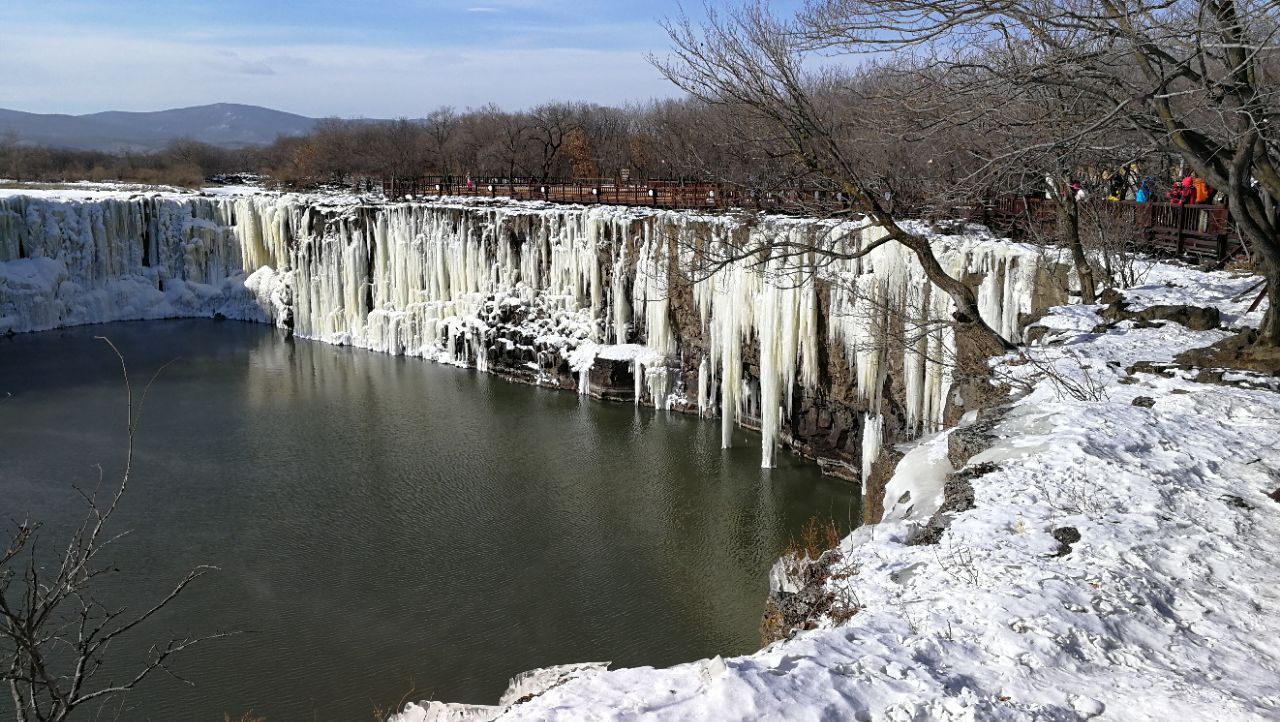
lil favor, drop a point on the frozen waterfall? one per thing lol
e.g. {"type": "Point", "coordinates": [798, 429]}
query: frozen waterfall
{"type": "Point", "coordinates": [568, 287]}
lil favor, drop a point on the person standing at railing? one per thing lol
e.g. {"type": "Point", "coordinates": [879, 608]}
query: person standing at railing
{"type": "Point", "coordinates": [1182, 192]}
{"type": "Point", "coordinates": [1202, 190]}
{"type": "Point", "coordinates": [1078, 190]}
{"type": "Point", "coordinates": [1144, 191]}
{"type": "Point", "coordinates": [1117, 188]}
{"type": "Point", "coordinates": [1201, 193]}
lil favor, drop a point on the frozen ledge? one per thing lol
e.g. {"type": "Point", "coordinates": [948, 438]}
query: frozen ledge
{"type": "Point", "coordinates": [523, 687]}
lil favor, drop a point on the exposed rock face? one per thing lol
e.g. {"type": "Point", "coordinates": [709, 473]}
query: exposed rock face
{"type": "Point", "coordinates": [1240, 352]}
{"type": "Point", "coordinates": [836, 361]}
{"type": "Point", "coordinates": [963, 444]}
{"type": "Point", "coordinates": [1066, 536]}
{"type": "Point", "coordinates": [957, 497]}
{"type": "Point", "coordinates": [1220, 376]}
{"type": "Point", "coordinates": [1196, 318]}
{"type": "Point", "coordinates": [799, 597]}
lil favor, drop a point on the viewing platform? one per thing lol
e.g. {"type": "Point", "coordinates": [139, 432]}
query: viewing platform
{"type": "Point", "coordinates": [1201, 232]}
{"type": "Point", "coordinates": [670, 194]}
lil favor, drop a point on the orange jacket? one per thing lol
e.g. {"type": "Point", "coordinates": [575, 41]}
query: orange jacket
{"type": "Point", "coordinates": [1201, 191]}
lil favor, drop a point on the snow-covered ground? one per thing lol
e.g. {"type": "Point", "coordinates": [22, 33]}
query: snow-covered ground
{"type": "Point", "coordinates": [1167, 608]}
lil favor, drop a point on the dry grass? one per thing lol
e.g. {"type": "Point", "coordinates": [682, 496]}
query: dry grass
{"type": "Point", "coordinates": [773, 624]}
{"type": "Point", "coordinates": [382, 714]}
{"type": "Point", "coordinates": [817, 536]}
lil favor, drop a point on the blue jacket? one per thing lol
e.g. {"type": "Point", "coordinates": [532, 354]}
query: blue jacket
{"type": "Point", "coordinates": [1143, 194]}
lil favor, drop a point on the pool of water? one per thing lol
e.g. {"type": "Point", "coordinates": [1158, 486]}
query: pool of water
{"type": "Point", "coordinates": [387, 526]}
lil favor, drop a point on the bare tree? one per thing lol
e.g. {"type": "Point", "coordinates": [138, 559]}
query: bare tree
{"type": "Point", "coordinates": [335, 150]}
{"type": "Point", "coordinates": [985, 128]}
{"type": "Point", "coordinates": [754, 65]}
{"type": "Point", "coordinates": [442, 127]}
{"type": "Point", "coordinates": [1195, 77]}
{"type": "Point", "coordinates": [550, 127]}
{"type": "Point", "coordinates": [54, 633]}
{"type": "Point", "coordinates": [501, 141]}
{"type": "Point", "coordinates": [581, 154]}
{"type": "Point", "coordinates": [606, 132]}
{"type": "Point", "coordinates": [402, 147]}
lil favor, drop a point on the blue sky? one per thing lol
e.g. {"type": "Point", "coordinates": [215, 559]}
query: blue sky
{"type": "Point", "coordinates": [378, 58]}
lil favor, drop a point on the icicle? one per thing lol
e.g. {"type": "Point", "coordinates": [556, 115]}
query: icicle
{"type": "Point", "coordinates": [872, 435]}
{"type": "Point", "coordinates": [436, 281]}
{"type": "Point", "coordinates": [703, 382]}
{"type": "Point", "coordinates": [658, 381]}
{"type": "Point", "coordinates": [637, 372]}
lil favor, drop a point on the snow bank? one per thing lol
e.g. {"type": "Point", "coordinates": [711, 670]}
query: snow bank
{"type": "Point", "coordinates": [1167, 607]}
{"type": "Point", "coordinates": [915, 491]}
{"type": "Point", "coordinates": [523, 687]}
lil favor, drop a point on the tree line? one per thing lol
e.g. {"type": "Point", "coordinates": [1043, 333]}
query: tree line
{"type": "Point", "coordinates": [659, 139]}
{"type": "Point", "coordinates": [908, 149]}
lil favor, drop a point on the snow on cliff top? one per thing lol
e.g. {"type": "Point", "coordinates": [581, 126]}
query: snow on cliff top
{"type": "Point", "coordinates": [90, 191]}
{"type": "Point", "coordinates": [1168, 607]}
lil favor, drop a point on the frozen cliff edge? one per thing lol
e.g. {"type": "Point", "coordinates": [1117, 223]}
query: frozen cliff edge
{"type": "Point", "coordinates": [75, 262]}
{"type": "Point", "coordinates": [1117, 563]}
{"type": "Point", "coordinates": [577, 297]}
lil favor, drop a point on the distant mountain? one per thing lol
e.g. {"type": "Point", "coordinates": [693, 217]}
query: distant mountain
{"type": "Point", "coordinates": [224, 124]}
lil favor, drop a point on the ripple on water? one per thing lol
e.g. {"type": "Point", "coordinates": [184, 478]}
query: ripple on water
{"type": "Point", "coordinates": [380, 520]}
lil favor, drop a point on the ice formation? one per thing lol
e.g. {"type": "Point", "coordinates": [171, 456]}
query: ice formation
{"type": "Point", "coordinates": [454, 281]}
{"type": "Point", "coordinates": [1165, 609]}
{"type": "Point", "coordinates": [880, 303]}
{"type": "Point", "coordinates": [65, 263]}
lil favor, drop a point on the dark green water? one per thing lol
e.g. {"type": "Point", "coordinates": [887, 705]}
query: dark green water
{"type": "Point", "coordinates": [385, 523]}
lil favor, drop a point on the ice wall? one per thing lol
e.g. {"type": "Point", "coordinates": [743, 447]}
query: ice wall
{"type": "Point", "coordinates": [65, 262]}
{"type": "Point", "coordinates": [881, 304]}
{"type": "Point", "coordinates": [562, 286]}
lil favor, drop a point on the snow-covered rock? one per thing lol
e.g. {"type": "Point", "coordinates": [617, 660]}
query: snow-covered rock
{"type": "Point", "coordinates": [522, 688]}
{"type": "Point", "coordinates": [1167, 607]}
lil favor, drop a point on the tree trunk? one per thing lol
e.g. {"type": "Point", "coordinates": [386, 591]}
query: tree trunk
{"type": "Point", "coordinates": [1269, 330]}
{"type": "Point", "coordinates": [967, 313]}
{"type": "Point", "coordinates": [1069, 236]}
{"type": "Point", "coordinates": [1263, 234]}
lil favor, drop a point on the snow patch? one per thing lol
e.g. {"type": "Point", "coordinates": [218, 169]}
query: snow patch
{"type": "Point", "coordinates": [1164, 609]}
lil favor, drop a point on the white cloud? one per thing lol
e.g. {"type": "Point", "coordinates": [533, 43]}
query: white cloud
{"type": "Point", "coordinates": [235, 63]}
{"type": "Point", "coordinates": [53, 70]}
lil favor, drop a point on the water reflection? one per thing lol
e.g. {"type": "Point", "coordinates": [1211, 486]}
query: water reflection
{"type": "Point", "coordinates": [380, 519]}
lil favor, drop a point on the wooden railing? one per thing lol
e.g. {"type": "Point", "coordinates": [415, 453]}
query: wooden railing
{"type": "Point", "coordinates": [675, 194]}
{"type": "Point", "coordinates": [1195, 230]}
{"type": "Point", "coordinates": [1199, 231]}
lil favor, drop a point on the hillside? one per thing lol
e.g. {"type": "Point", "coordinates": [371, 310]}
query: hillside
{"type": "Point", "coordinates": [228, 125]}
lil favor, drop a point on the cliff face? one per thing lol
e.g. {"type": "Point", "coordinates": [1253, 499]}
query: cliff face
{"type": "Point", "coordinates": [834, 360]}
